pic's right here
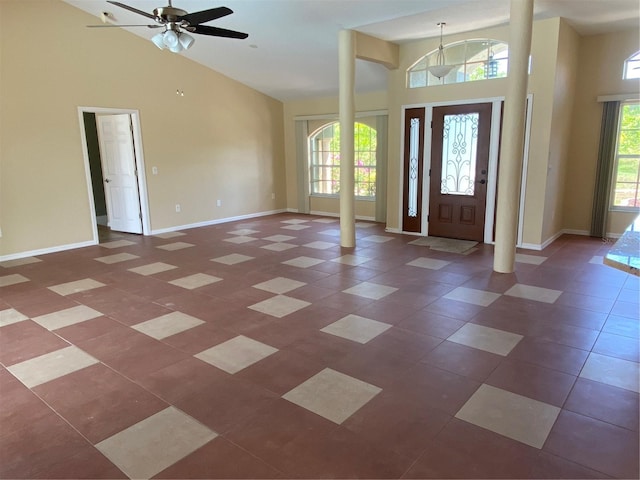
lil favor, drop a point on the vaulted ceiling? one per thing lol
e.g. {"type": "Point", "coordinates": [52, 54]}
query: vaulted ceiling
{"type": "Point", "coordinates": [292, 47]}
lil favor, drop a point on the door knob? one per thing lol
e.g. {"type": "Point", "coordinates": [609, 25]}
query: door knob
{"type": "Point", "coordinates": [482, 182]}
{"type": "Point", "coordinates": [107, 180]}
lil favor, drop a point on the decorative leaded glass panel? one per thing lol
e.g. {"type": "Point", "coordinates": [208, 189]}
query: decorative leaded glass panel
{"type": "Point", "coordinates": [414, 144]}
{"type": "Point", "coordinates": [459, 150]}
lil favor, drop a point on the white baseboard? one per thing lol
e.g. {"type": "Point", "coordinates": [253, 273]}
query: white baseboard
{"type": "Point", "coordinates": [216, 221]}
{"type": "Point", "coordinates": [44, 251]}
{"type": "Point", "coordinates": [292, 210]}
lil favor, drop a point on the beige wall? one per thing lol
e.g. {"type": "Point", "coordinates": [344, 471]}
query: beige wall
{"type": "Point", "coordinates": [600, 63]}
{"type": "Point", "coordinates": [222, 140]}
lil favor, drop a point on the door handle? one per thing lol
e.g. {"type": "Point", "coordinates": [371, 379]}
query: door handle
{"type": "Point", "coordinates": [107, 180]}
{"type": "Point", "coordinates": [482, 182]}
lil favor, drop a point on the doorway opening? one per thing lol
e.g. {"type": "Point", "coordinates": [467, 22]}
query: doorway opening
{"type": "Point", "coordinates": [114, 167]}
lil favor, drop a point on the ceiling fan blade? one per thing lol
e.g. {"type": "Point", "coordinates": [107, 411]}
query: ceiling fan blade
{"type": "Point", "coordinates": [205, 16]}
{"type": "Point", "coordinates": [118, 26]}
{"type": "Point", "coordinates": [218, 32]}
{"type": "Point", "coordinates": [131, 9]}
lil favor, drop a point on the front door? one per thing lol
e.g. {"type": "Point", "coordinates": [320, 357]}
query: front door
{"type": "Point", "coordinates": [118, 159]}
{"type": "Point", "coordinates": [459, 166]}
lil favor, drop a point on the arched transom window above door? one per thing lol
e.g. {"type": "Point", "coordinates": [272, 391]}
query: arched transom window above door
{"type": "Point", "coordinates": [479, 59]}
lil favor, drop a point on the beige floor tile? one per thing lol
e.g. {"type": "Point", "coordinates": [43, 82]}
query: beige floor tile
{"type": "Point", "coordinates": [473, 296]}
{"type": "Point", "coordinates": [334, 232]}
{"type": "Point", "coordinates": [530, 292]}
{"type": "Point", "coordinates": [152, 268]}
{"type": "Point", "coordinates": [171, 247]}
{"type": "Point", "coordinates": [295, 227]}
{"type": "Point", "coordinates": [326, 220]}
{"type": "Point", "coordinates": [232, 259]}
{"type": "Point", "coordinates": [117, 258]}
{"type": "Point", "coordinates": [236, 354]}
{"type": "Point", "coordinates": [295, 221]}
{"type": "Point", "coordinates": [303, 262]}
{"type": "Point", "coordinates": [530, 259]}
{"type": "Point", "coordinates": [612, 371]}
{"type": "Point", "coordinates": [167, 235]}
{"type": "Point", "coordinates": [597, 259]}
{"type": "Point", "coordinates": [167, 325]}
{"type": "Point", "coordinates": [370, 290]}
{"type": "Point", "coordinates": [279, 285]}
{"type": "Point", "coordinates": [279, 247]}
{"type": "Point", "coordinates": [514, 416]}
{"type": "Point", "coordinates": [11, 316]}
{"type": "Point", "coordinates": [430, 263]}
{"type": "Point", "coordinates": [320, 245]}
{"type": "Point", "coordinates": [148, 447]}
{"type": "Point", "coordinates": [486, 338]}
{"type": "Point", "coordinates": [196, 280]}
{"type": "Point", "coordinates": [117, 244]}
{"type": "Point", "coordinates": [279, 238]}
{"type": "Point", "coordinates": [66, 317]}
{"type": "Point", "coordinates": [76, 287]}
{"type": "Point", "coordinates": [14, 279]}
{"type": "Point", "coordinates": [356, 328]}
{"type": "Point", "coordinates": [240, 239]}
{"type": "Point", "coordinates": [279, 306]}
{"type": "Point", "coordinates": [19, 262]}
{"type": "Point", "coordinates": [377, 239]}
{"type": "Point", "coordinates": [50, 366]}
{"type": "Point", "coordinates": [352, 260]}
{"type": "Point", "coordinates": [332, 395]}
{"type": "Point", "coordinates": [243, 231]}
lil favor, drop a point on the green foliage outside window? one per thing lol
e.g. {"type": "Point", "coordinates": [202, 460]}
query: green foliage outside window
{"type": "Point", "coordinates": [627, 175]}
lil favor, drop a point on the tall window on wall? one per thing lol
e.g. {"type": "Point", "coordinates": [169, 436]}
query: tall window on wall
{"type": "Point", "coordinates": [626, 174]}
{"type": "Point", "coordinates": [480, 59]}
{"type": "Point", "coordinates": [632, 66]}
{"type": "Point", "coordinates": [324, 160]}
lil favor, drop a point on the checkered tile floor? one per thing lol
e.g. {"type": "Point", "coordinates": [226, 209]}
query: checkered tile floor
{"type": "Point", "coordinates": [261, 349]}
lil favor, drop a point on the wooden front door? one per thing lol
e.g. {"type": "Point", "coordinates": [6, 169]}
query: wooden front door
{"type": "Point", "coordinates": [459, 166]}
{"type": "Point", "coordinates": [413, 161]}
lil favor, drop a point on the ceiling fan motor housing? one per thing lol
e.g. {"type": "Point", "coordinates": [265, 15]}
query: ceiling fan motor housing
{"type": "Point", "coordinates": [169, 14]}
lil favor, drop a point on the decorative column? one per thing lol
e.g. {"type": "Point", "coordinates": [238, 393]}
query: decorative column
{"type": "Point", "coordinates": [347, 69]}
{"type": "Point", "coordinates": [510, 170]}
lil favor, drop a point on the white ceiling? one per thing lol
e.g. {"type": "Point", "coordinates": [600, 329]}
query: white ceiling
{"type": "Point", "coordinates": [291, 51]}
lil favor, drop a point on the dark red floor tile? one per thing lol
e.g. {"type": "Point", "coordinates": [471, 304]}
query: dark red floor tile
{"type": "Point", "coordinates": [550, 355]}
{"type": "Point", "coordinates": [462, 360]}
{"type": "Point", "coordinates": [577, 337]}
{"type": "Point", "coordinates": [38, 446]}
{"type": "Point", "coordinates": [604, 402]}
{"type": "Point", "coordinates": [281, 372]}
{"type": "Point", "coordinates": [462, 450]}
{"type": "Point", "coordinates": [577, 317]}
{"type": "Point", "coordinates": [454, 309]}
{"type": "Point", "coordinates": [586, 302]}
{"type": "Point", "coordinates": [39, 301]}
{"type": "Point", "coordinates": [199, 338]}
{"type": "Point", "coordinates": [594, 444]}
{"type": "Point", "coordinates": [324, 348]}
{"type": "Point", "coordinates": [18, 405]}
{"type": "Point", "coordinates": [397, 422]}
{"type": "Point", "coordinates": [89, 329]}
{"type": "Point", "coordinates": [220, 459]}
{"type": "Point", "coordinates": [431, 324]}
{"type": "Point", "coordinates": [533, 381]}
{"type": "Point", "coordinates": [88, 463]}
{"type": "Point", "coordinates": [409, 346]}
{"type": "Point", "coordinates": [25, 340]}
{"type": "Point", "coordinates": [225, 402]}
{"type": "Point", "coordinates": [554, 467]}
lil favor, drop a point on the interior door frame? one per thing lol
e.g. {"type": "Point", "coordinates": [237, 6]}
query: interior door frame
{"type": "Point", "coordinates": [492, 175]}
{"type": "Point", "coordinates": [139, 155]}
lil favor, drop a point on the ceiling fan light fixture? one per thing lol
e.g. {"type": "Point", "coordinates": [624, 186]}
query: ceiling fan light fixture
{"type": "Point", "coordinates": [170, 39]}
{"type": "Point", "coordinates": [158, 41]}
{"type": "Point", "coordinates": [186, 40]}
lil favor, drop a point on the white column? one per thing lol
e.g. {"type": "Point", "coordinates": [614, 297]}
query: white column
{"type": "Point", "coordinates": [347, 70]}
{"type": "Point", "coordinates": [510, 170]}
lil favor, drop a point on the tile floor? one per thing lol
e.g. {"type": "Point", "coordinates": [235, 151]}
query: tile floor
{"type": "Point", "coordinates": [261, 349]}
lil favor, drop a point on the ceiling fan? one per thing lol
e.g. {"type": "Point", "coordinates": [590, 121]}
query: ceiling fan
{"type": "Point", "coordinates": [177, 22]}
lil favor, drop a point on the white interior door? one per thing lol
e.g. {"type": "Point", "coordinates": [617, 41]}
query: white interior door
{"type": "Point", "coordinates": [119, 172]}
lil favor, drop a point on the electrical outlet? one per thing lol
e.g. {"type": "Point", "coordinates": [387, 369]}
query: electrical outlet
{"type": "Point", "coordinates": [218, 203]}
{"type": "Point", "coordinates": [273, 196]}
{"type": "Point", "coordinates": [178, 208]}
{"type": "Point", "coordinates": [154, 170]}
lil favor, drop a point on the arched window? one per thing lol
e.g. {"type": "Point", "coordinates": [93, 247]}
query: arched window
{"type": "Point", "coordinates": [480, 59]}
{"type": "Point", "coordinates": [632, 66]}
{"type": "Point", "coordinates": [324, 160]}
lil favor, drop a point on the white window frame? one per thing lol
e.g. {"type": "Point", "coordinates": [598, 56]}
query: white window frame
{"type": "Point", "coordinates": [614, 176]}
